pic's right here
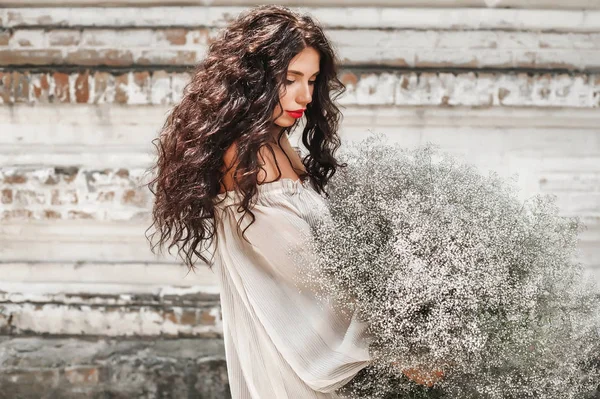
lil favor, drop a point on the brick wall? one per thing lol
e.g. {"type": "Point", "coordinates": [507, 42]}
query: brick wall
{"type": "Point", "coordinates": [510, 86]}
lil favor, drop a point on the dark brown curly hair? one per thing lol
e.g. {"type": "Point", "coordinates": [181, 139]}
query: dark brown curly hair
{"type": "Point", "coordinates": [231, 98]}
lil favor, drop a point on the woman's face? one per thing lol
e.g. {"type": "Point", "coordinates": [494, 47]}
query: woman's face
{"type": "Point", "coordinates": [298, 88]}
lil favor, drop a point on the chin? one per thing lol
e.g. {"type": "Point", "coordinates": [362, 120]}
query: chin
{"type": "Point", "coordinates": [285, 122]}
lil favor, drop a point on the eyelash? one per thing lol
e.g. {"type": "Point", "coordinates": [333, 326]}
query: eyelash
{"type": "Point", "coordinates": [289, 82]}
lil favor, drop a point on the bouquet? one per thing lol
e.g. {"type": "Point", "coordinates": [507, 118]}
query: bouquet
{"type": "Point", "coordinates": [453, 273]}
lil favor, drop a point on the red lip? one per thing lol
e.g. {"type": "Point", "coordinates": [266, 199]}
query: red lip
{"type": "Point", "coordinates": [296, 114]}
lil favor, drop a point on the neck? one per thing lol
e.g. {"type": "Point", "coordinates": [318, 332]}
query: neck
{"type": "Point", "coordinates": [275, 132]}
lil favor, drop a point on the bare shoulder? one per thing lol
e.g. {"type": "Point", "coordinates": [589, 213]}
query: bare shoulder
{"type": "Point", "coordinates": [228, 168]}
{"type": "Point", "coordinates": [271, 157]}
{"type": "Point", "coordinates": [230, 154]}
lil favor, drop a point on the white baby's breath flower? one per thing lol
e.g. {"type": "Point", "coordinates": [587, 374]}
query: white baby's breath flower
{"type": "Point", "coordinates": [451, 271]}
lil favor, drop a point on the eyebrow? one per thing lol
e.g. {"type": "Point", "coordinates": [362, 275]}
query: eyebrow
{"type": "Point", "coordinates": [300, 73]}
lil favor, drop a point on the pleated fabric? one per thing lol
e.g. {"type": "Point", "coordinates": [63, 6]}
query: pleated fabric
{"type": "Point", "coordinates": [281, 340]}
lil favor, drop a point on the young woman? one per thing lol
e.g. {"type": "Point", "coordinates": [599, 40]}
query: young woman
{"type": "Point", "coordinates": [228, 183]}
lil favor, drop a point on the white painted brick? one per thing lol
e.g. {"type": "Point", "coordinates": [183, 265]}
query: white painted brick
{"type": "Point", "coordinates": [100, 195]}
{"type": "Point", "coordinates": [561, 41]}
{"type": "Point", "coordinates": [59, 37]}
{"type": "Point", "coordinates": [475, 91]}
{"type": "Point", "coordinates": [201, 37]}
{"type": "Point", "coordinates": [373, 89]}
{"type": "Point", "coordinates": [100, 37]}
{"type": "Point", "coordinates": [523, 40]}
{"type": "Point", "coordinates": [407, 91]}
{"type": "Point", "coordinates": [161, 89]}
{"type": "Point", "coordinates": [28, 39]}
{"type": "Point", "coordinates": [178, 83]}
{"type": "Point", "coordinates": [570, 182]}
{"type": "Point", "coordinates": [582, 42]}
{"type": "Point", "coordinates": [467, 39]}
{"type": "Point", "coordinates": [429, 57]}
{"type": "Point", "coordinates": [104, 94]}
{"type": "Point", "coordinates": [138, 94]}
{"type": "Point", "coordinates": [126, 38]}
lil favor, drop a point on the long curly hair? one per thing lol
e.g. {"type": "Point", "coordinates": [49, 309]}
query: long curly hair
{"type": "Point", "coordinates": [231, 98]}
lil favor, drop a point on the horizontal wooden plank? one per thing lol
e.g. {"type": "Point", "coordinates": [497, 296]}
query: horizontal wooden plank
{"type": "Point", "coordinates": [106, 121]}
{"type": "Point", "coordinates": [88, 317]}
{"type": "Point", "coordinates": [169, 297]}
{"type": "Point", "coordinates": [93, 137]}
{"type": "Point", "coordinates": [64, 155]}
{"type": "Point", "coordinates": [192, 287]}
{"type": "Point", "coordinates": [83, 240]}
{"type": "Point", "coordinates": [108, 299]}
{"type": "Point", "coordinates": [361, 16]}
{"type": "Point", "coordinates": [46, 277]}
{"type": "Point", "coordinates": [460, 116]}
{"type": "Point", "coordinates": [405, 48]}
{"type": "Point", "coordinates": [545, 4]}
{"type": "Point", "coordinates": [465, 50]}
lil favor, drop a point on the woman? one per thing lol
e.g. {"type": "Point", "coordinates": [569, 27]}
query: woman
{"type": "Point", "coordinates": [229, 184]}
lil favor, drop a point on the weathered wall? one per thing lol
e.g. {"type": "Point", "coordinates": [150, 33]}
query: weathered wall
{"type": "Point", "coordinates": [86, 310]}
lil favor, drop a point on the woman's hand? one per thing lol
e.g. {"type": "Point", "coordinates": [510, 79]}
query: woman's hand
{"type": "Point", "coordinates": [423, 376]}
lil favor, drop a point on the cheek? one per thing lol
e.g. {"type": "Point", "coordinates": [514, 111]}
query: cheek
{"type": "Point", "coordinates": [277, 113]}
{"type": "Point", "coordinates": [284, 98]}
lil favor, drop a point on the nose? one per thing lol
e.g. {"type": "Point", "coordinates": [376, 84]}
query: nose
{"type": "Point", "coordinates": [304, 96]}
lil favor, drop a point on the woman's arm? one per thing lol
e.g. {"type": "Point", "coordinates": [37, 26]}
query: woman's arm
{"type": "Point", "coordinates": [423, 376]}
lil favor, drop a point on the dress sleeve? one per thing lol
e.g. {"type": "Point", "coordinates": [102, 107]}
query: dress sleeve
{"type": "Point", "coordinates": [323, 345]}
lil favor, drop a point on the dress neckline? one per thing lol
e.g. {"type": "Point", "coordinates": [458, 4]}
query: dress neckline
{"type": "Point", "coordinates": [275, 185]}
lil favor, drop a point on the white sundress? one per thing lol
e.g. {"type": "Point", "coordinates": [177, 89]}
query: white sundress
{"type": "Point", "coordinates": [280, 341]}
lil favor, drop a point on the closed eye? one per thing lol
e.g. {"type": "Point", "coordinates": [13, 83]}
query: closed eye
{"type": "Point", "coordinates": [289, 82]}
